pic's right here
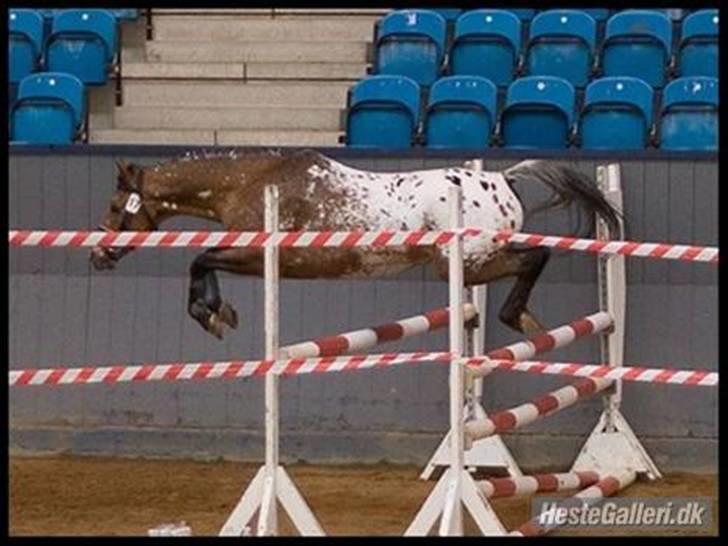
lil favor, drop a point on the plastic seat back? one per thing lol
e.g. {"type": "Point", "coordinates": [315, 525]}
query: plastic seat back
{"type": "Point", "coordinates": [49, 109]}
{"type": "Point", "coordinates": [83, 43]}
{"type": "Point", "coordinates": [562, 44]}
{"type": "Point", "coordinates": [486, 43]}
{"type": "Point", "coordinates": [699, 44]}
{"type": "Point", "coordinates": [689, 115]}
{"type": "Point", "coordinates": [461, 113]}
{"type": "Point", "coordinates": [523, 14]}
{"type": "Point", "coordinates": [411, 43]}
{"type": "Point", "coordinates": [25, 43]}
{"type": "Point", "coordinates": [539, 113]}
{"type": "Point", "coordinates": [638, 43]}
{"type": "Point", "coordinates": [383, 113]}
{"type": "Point", "coordinates": [617, 114]}
{"type": "Point", "coordinates": [598, 15]}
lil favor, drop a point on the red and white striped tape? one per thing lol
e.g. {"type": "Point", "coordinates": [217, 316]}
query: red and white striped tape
{"type": "Point", "coordinates": [245, 368]}
{"type": "Point", "coordinates": [548, 341]}
{"type": "Point", "coordinates": [360, 340]}
{"type": "Point", "coordinates": [514, 486]}
{"type": "Point", "coordinates": [662, 251]}
{"type": "Point", "coordinates": [669, 376]}
{"type": "Point", "coordinates": [605, 487]}
{"type": "Point", "coordinates": [211, 239]}
{"type": "Point", "coordinates": [527, 413]}
{"type": "Point", "coordinates": [234, 369]}
{"type": "Point", "coordinates": [328, 239]}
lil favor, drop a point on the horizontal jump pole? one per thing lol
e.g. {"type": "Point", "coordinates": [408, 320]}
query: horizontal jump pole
{"type": "Point", "coordinates": [344, 239]}
{"type": "Point", "coordinates": [236, 369]}
{"type": "Point", "coordinates": [548, 404]}
{"type": "Point", "coordinates": [517, 486]}
{"type": "Point", "coordinates": [605, 487]}
{"type": "Point", "coordinates": [548, 341]}
{"type": "Point", "coordinates": [361, 340]}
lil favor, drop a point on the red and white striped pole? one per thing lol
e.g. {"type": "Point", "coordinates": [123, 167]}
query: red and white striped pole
{"type": "Point", "coordinates": [517, 486]}
{"type": "Point", "coordinates": [605, 487]}
{"type": "Point", "coordinates": [548, 341]}
{"type": "Point", "coordinates": [527, 413]}
{"type": "Point", "coordinates": [360, 340]}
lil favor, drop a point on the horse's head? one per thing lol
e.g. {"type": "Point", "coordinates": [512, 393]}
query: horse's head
{"type": "Point", "coordinates": [127, 212]}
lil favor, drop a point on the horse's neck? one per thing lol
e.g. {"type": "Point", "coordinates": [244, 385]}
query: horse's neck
{"type": "Point", "coordinates": [183, 193]}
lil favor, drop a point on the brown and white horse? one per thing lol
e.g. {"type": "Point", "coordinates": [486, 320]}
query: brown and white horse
{"type": "Point", "coordinates": [318, 193]}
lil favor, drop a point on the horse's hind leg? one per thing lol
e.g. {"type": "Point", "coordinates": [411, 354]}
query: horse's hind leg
{"type": "Point", "coordinates": [529, 264]}
{"type": "Point", "coordinates": [526, 265]}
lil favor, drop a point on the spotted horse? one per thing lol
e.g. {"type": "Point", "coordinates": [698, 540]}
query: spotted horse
{"type": "Point", "coordinates": [318, 193]}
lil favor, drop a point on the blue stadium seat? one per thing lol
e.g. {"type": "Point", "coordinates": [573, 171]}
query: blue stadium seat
{"type": "Point", "coordinates": [25, 43]}
{"type": "Point", "coordinates": [83, 43]}
{"type": "Point", "coordinates": [689, 115]}
{"type": "Point", "coordinates": [49, 109]}
{"type": "Point", "coordinates": [486, 43]}
{"type": "Point", "coordinates": [617, 114]}
{"type": "Point", "coordinates": [539, 113]}
{"type": "Point", "coordinates": [411, 43]}
{"type": "Point", "coordinates": [562, 44]}
{"type": "Point", "coordinates": [449, 14]}
{"type": "Point", "coordinates": [383, 113]}
{"type": "Point", "coordinates": [523, 14]}
{"type": "Point", "coordinates": [699, 44]}
{"type": "Point", "coordinates": [461, 113]}
{"type": "Point", "coordinates": [638, 43]}
{"type": "Point", "coordinates": [598, 15]}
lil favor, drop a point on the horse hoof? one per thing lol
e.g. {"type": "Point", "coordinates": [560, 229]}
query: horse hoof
{"type": "Point", "coordinates": [215, 326]}
{"type": "Point", "coordinates": [530, 325]}
{"type": "Point", "coordinates": [228, 315]}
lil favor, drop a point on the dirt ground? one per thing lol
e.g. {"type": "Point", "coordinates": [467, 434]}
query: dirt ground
{"type": "Point", "coordinates": [111, 496]}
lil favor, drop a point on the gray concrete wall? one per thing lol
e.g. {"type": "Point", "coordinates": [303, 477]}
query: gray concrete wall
{"type": "Point", "coordinates": [61, 312]}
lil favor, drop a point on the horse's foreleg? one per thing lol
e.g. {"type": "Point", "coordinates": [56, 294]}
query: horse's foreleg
{"type": "Point", "coordinates": [526, 265]}
{"type": "Point", "coordinates": [205, 304]}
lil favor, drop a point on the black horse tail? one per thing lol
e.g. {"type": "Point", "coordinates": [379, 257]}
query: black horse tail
{"type": "Point", "coordinates": [568, 186]}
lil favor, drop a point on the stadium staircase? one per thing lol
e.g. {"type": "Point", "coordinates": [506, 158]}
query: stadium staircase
{"type": "Point", "coordinates": [235, 77]}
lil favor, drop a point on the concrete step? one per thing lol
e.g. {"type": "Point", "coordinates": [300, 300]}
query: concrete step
{"type": "Point", "coordinates": [134, 136]}
{"type": "Point", "coordinates": [210, 138]}
{"type": "Point", "coordinates": [276, 52]}
{"type": "Point", "coordinates": [319, 119]}
{"type": "Point", "coordinates": [265, 71]}
{"type": "Point", "coordinates": [190, 71]}
{"type": "Point", "coordinates": [273, 12]}
{"type": "Point", "coordinates": [226, 93]}
{"type": "Point", "coordinates": [222, 28]}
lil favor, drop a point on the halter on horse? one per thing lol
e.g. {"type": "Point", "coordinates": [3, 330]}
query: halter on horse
{"type": "Point", "coordinates": [318, 194]}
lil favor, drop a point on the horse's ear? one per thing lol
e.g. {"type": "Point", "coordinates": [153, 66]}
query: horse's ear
{"type": "Point", "coordinates": [128, 175]}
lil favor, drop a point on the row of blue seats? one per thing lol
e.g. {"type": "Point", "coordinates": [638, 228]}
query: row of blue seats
{"type": "Point", "coordinates": [82, 42]}
{"type": "Point", "coordinates": [50, 108]}
{"type": "Point", "coordinates": [560, 43]}
{"type": "Point", "coordinates": [525, 15]}
{"type": "Point", "coordinates": [539, 112]}
{"type": "Point", "coordinates": [121, 14]}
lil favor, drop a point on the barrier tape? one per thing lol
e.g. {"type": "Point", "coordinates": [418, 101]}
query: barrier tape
{"type": "Point", "coordinates": [296, 366]}
{"type": "Point", "coordinates": [348, 239]}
